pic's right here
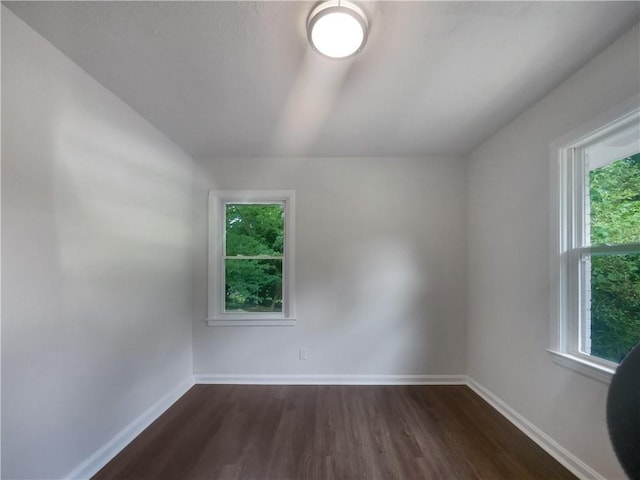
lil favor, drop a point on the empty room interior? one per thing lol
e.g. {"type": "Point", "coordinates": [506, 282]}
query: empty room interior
{"type": "Point", "coordinates": [235, 247]}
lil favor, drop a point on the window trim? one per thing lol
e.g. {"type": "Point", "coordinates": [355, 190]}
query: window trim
{"type": "Point", "coordinates": [216, 316]}
{"type": "Point", "coordinates": [566, 171]}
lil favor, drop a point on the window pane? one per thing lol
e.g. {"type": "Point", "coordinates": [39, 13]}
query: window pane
{"type": "Point", "coordinates": [253, 285]}
{"type": "Point", "coordinates": [614, 202]}
{"type": "Point", "coordinates": [614, 305]}
{"type": "Point", "coordinates": [254, 229]}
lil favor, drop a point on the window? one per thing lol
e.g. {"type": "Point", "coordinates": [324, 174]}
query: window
{"type": "Point", "coordinates": [251, 252]}
{"type": "Point", "coordinates": [596, 317]}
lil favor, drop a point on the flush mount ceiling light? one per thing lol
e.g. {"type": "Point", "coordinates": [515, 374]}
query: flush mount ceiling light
{"type": "Point", "coordinates": [337, 29]}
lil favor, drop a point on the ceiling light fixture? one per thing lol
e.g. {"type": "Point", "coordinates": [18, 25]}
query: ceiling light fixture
{"type": "Point", "coordinates": [337, 29]}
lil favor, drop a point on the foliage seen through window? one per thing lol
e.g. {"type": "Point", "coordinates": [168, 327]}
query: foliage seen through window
{"type": "Point", "coordinates": [614, 193]}
{"type": "Point", "coordinates": [254, 246]}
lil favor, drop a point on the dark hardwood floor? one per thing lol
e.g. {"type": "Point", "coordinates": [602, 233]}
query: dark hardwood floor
{"type": "Point", "coordinates": [332, 432]}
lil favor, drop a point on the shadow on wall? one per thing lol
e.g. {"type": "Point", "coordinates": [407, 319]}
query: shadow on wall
{"type": "Point", "coordinates": [123, 232]}
{"type": "Point", "coordinates": [97, 283]}
{"type": "Point", "coordinates": [119, 209]}
{"type": "Point", "coordinates": [374, 304]}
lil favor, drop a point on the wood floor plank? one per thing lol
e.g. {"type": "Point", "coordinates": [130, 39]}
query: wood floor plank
{"type": "Point", "coordinates": [246, 432]}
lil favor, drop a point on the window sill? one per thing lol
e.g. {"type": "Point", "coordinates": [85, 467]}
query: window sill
{"type": "Point", "coordinates": [590, 369]}
{"type": "Point", "coordinates": [244, 322]}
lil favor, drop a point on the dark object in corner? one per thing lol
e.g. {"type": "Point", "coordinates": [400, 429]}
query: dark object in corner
{"type": "Point", "coordinates": [623, 413]}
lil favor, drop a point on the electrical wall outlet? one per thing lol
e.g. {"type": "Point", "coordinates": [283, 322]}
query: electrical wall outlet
{"type": "Point", "coordinates": [304, 354]}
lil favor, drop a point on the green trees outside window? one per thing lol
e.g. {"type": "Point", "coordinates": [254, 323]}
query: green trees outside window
{"type": "Point", "coordinates": [254, 256]}
{"type": "Point", "coordinates": [614, 193]}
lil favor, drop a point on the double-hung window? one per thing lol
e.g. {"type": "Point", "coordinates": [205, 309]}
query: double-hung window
{"type": "Point", "coordinates": [251, 252]}
{"type": "Point", "coordinates": [596, 238]}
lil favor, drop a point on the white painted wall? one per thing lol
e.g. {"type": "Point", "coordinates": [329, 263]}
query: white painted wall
{"type": "Point", "coordinates": [380, 269]}
{"type": "Point", "coordinates": [509, 260]}
{"type": "Point", "coordinates": [96, 261]}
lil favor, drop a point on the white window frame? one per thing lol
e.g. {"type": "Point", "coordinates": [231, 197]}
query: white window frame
{"type": "Point", "coordinates": [569, 255]}
{"type": "Point", "coordinates": [216, 316]}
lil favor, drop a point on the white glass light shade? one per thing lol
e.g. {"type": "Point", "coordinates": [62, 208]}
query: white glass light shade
{"type": "Point", "coordinates": [337, 29]}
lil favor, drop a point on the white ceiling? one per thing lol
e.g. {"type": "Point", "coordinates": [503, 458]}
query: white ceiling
{"type": "Point", "coordinates": [232, 79]}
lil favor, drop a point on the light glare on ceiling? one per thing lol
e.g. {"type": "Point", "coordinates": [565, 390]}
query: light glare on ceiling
{"type": "Point", "coordinates": [337, 29]}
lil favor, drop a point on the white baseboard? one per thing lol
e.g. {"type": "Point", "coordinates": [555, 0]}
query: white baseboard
{"type": "Point", "coordinates": [332, 379]}
{"type": "Point", "coordinates": [553, 448]}
{"type": "Point", "coordinates": [100, 458]}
